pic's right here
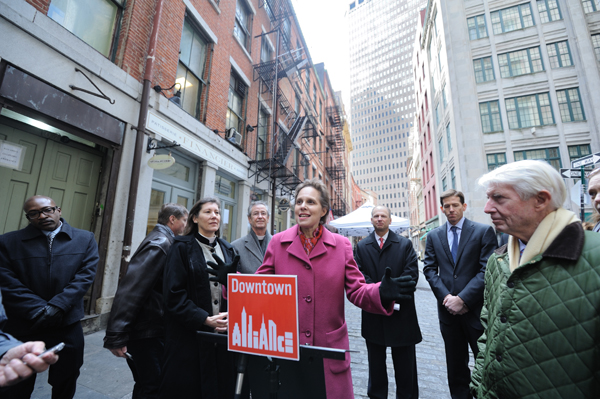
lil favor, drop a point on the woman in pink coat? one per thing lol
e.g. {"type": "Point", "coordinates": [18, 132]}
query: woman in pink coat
{"type": "Point", "coordinates": [325, 267]}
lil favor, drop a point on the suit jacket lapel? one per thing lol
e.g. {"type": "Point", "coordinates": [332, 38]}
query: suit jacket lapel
{"type": "Point", "coordinates": [465, 236]}
{"type": "Point", "coordinates": [253, 248]}
{"type": "Point", "coordinates": [444, 239]}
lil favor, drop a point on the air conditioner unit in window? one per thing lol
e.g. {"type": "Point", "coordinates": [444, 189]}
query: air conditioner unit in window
{"type": "Point", "coordinates": [234, 136]}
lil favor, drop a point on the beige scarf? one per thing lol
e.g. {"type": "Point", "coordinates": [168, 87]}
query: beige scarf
{"type": "Point", "coordinates": [549, 228]}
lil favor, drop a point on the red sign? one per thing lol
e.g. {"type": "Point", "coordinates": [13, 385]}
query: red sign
{"type": "Point", "coordinates": [263, 315]}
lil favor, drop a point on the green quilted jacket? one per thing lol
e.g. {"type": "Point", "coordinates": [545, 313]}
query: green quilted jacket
{"type": "Point", "coordinates": [542, 323]}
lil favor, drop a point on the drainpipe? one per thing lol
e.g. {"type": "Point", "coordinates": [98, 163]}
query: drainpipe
{"type": "Point", "coordinates": [139, 140]}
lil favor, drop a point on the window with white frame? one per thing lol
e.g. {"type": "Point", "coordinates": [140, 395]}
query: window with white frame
{"type": "Point", "coordinates": [512, 18]}
{"type": "Point", "coordinates": [520, 62]}
{"type": "Point", "coordinates": [559, 54]}
{"type": "Point", "coordinates": [261, 137]}
{"type": "Point", "coordinates": [477, 27]}
{"type": "Point", "coordinates": [549, 10]}
{"type": "Point", "coordinates": [243, 24]}
{"type": "Point", "coordinates": [266, 52]}
{"type": "Point", "coordinates": [590, 5]}
{"type": "Point", "coordinates": [191, 69]}
{"type": "Point", "coordinates": [235, 104]}
{"type": "Point", "coordinates": [596, 44]}
{"type": "Point", "coordinates": [528, 111]}
{"type": "Point", "coordinates": [569, 104]}
{"type": "Point", "coordinates": [441, 148]}
{"type": "Point", "coordinates": [96, 22]}
{"type": "Point", "coordinates": [484, 70]}
{"type": "Point", "coordinates": [490, 116]}
{"type": "Point", "coordinates": [448, 137]}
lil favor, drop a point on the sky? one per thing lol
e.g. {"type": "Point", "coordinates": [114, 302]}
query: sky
{"type": "Point", "coordinates": [324, 26]}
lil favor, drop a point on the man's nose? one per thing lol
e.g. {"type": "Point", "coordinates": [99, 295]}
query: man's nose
{"type": "Point", "coordinates": [488, 207]}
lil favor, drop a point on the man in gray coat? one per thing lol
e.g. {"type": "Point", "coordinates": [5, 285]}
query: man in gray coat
{"type": "Point", "coordinates": [253, 246]}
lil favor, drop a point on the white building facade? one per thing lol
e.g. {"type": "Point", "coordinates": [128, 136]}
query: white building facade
{"type": "Point", "coordinates": [509, 80]}
{"type": "Point", "coordinates": [382, 96]}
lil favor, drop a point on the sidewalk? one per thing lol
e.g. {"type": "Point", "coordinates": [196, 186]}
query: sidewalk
{"type": "Point", "coordinates": [104, 376]}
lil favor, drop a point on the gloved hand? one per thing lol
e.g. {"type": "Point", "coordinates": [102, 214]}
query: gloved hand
{"type": "Point", "coordinates": [397, 288]}
{"type": "Point", "coordinates": [220, 270]}
{"type": "Point", "coordinates": [48, 317]}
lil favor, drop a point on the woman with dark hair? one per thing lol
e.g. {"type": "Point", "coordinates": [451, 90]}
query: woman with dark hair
{"type": "Point", "coordinates": [325, 267]}
{"type": "Point", "coordinates": [194, 368]}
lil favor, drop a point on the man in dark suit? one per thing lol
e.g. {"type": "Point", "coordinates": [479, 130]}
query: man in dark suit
{"type": "Point", "coordinates": [379, 251]}
{"type": "Point", "coordinates": [455, 258]}
{"type": "Point", "coordinates": [45, 270]}
{"type": "Point", "coordinates": [252, 247]}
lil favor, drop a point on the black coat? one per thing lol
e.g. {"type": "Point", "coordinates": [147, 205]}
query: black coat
{"type": "Point", "coordinates": [402, 327]}
{"type": "Point", "coordinates": [31, 276]}
{"type": "Point", "coordinates": [465, 278]}
{"type": "Point", "coordinates": [137, 310]}
{"type": "Point", "coordinates": [192, 368]}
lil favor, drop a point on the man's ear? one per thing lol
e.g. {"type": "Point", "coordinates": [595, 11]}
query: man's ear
{"type": "Point", "coordinates": [543, 199]}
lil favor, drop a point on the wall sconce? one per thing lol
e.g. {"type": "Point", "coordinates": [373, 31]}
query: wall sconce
{"type": "Point", "coordinates": [176, 99]}
{"type": "Point", "coordinates": [250, 128]}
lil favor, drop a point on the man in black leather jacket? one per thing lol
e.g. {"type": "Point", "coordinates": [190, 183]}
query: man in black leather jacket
{"type": "Point", "coordinates": [135, 328]}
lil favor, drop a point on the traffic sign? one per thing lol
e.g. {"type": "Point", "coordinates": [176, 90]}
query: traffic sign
{"type": "Point", "coordinates": [263, 315]}
{"type": "Point", "coordinates": [573, 173]}
{"type": "Point", "coordinates": [587, 160]}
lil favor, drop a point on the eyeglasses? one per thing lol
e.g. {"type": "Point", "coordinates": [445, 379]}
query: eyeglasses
{"type": "Point", "coordinates": [46, 211]}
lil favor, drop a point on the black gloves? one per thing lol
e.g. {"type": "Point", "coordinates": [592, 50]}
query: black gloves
{"type": "Point", "coordinates": [397, 288]}
{"type": "Point", "coordinates": [47, 317]}
{"type": "Point", "coordinates": [220, 270]}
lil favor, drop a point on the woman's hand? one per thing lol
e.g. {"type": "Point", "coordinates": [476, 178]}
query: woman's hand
{"type": "Point", "coordinates": [218, 322]}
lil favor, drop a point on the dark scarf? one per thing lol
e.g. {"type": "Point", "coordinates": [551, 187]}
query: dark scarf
{"type": "Point", "coordinates": [205, 240]}
{"type": "Point", "coordinates": [262, 244]}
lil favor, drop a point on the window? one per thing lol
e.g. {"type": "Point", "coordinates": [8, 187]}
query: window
{"type": "Point", "coordinates": [520, 62]}
{"type": "Point", "coordinates": [261, 137]}
{"type": "Point", "coordinates": [569, 104]}
{"type": "Point", "coordinates": [496, 160]}
{"type": "Point", "coordinates": [596, 44]}
{"type": "Point", "coordinates": [235, 103]}
{"type": "Point", "coordinates": [490, 116]}
{"type": "Point", "coordinates": [94, 21]}
{"type": "Point", "coordinates": [448, 138]}
{"type": "Point", "coordinates": [453, 178]}
{"type": "Point", "coordinates": [484, 70]}
{"type": "Point", "coordinates": [549, 10]}
{"type": "Point", "coordinates": [444, 184]}
{"type": "Point", "coordinates": [513, 18]}
{"type": "Point", "coordinates": [243, 24]}
{"type": "Point", "coordinates": [441, 148]}
{"type": "Point", "coordinates": [590, 5]}
{"type": "Point", "coordinates": [437, 114]}
{"type": "Point", "coordinates": [191, 68]}
{"type": "Point", "coordinates": [266, 52]}
{"type": "Point", "coordinates": [477, 28]}
{"type": "Point", "coordinates": [550, 155]}
{"type": "Point", "coordinates": [559, 54]}
{"type": "Point", "coordinates": [444, 96]}
{"type": "Point", "coordinates": [527, 111]}
{"type": "Point", "coordinates": [578, 151]}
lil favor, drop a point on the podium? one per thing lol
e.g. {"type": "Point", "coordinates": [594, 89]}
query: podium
{"type": "Point", "coordinates": [271, 378]}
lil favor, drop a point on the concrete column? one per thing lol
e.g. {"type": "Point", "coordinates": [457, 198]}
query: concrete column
{"type": "Point", "coordinates": [244, 189]}
{"type": "Point", "coordinates": [209, 174]}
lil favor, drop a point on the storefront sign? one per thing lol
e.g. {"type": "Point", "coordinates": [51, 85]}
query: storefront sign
{"type": "Point", "coordinates": [193, 144]}
{"type": "Point", "coordinates": [263, 315]}
{"type": "Point", "coordinates": [161, 161]}
{"type": "Point", "coordinates": [284, 204]}
{"type": "Point", "coordinates": [12, 155]}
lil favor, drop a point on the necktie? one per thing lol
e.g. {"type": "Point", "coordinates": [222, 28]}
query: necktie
{"type": "Point", "coordinates": [454, 248]}
{"type": "Point", "coordinates": [380, 242]}
{"type": "Point", "coordinates": [50, 239]}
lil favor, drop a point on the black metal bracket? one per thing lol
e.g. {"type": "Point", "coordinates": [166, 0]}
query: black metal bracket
{"type": "Point", "coordinates": [101, 95]}
{"type": "Point", "coordinates": [152, 145]}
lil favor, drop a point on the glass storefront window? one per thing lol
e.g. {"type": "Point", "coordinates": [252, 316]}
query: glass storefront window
{"type": "Point", "coordinates": [157, 199]}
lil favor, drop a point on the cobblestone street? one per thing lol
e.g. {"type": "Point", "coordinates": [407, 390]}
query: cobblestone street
{"type": "Point", "coordinates": [431, 361]}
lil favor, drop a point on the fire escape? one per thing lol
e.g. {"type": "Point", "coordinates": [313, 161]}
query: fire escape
{"type": "Point", "coordinates": [276, 162]}
{"type": "Point", "coordinates": [335, 167]}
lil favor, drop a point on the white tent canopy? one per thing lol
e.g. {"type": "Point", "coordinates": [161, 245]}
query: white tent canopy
{"type": "Point", "coordinates": [358, 223]}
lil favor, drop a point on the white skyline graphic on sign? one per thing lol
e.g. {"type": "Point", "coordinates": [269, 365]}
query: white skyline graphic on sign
{"type": "Point", "coordinates": [264, 339]}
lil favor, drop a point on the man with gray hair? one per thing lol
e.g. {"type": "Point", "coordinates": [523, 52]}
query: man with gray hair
{"type": "Point", "coordinates": [253, 246]}
{"type": "Point", "coordinates": [540, 314]}
{"type": "Point", "coordinates": [135, 329]}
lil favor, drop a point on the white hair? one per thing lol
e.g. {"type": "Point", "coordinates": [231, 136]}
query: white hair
{"type": "Point", "coordinates": [528, 178]}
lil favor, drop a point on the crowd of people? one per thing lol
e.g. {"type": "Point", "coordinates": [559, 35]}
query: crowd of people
{"type": "Point", "coordinates": [528, 308]}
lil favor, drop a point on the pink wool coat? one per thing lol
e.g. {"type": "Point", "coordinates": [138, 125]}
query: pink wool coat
{"type": "Point", "coordinates": [323, 276]}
